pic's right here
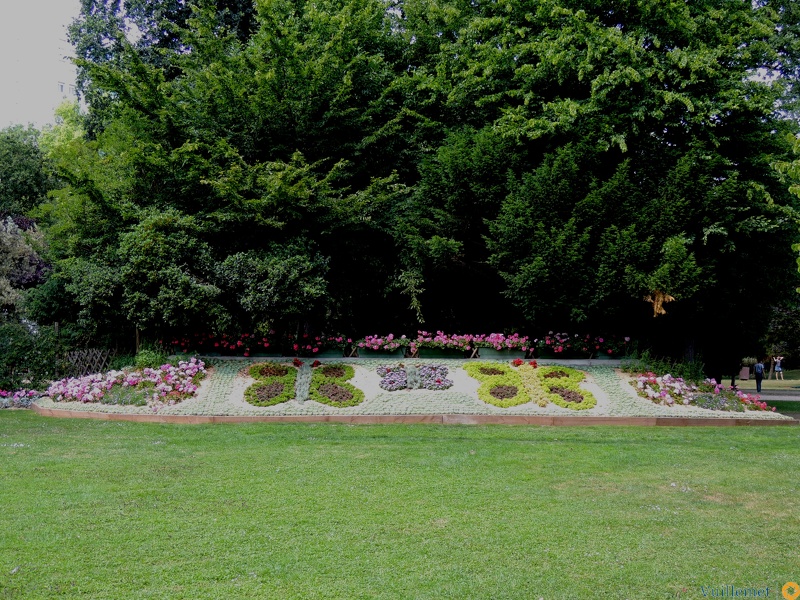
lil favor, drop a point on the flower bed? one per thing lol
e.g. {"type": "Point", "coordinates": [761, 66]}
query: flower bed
{"type": "Point", "coordinates": [413, 377]}
{"type": "Point", "coordinates": [670, 391]}
{"type": "Point", "coordinates": [155, 388]}
{"type": "Point", "coordinates": [19, 399]}
{"type": "Point", "coordinates": [501, 385]}
{"type": "Point", "coordinates": [561, 386]}
{"type": "Point", "coordinates": [329, 385]}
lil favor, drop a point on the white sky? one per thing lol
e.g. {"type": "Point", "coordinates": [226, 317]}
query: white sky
{"type": "Point", "coordinates": [32, 45]}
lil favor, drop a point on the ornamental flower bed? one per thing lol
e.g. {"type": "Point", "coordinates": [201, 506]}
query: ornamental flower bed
{"type": "Point", "coordinates": [414, 377]}
{"type": "Point", "coordinates": [561, 386]}
{"type": "Point", "coordinates": [156, 388]}
{"type": "Point", "coordinates": [19, 399]}
{"type": "Point", "coordinates": [501, 385]}
{"type": "Point", "coordinates": [671, 391]}
{"type": "Point", "coordinates": [275, 383]}
{"type": "Point", "coordinates": [329, 385]}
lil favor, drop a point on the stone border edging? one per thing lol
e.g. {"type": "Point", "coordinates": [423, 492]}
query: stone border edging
{"type": "Point", "coordinates": [448, 419]}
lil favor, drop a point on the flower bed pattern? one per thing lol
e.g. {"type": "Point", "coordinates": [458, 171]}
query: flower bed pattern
{"type": "Point", "coordinates": [500, 384]}
{"type": "Point", "coordinates": [561, 386]}
{"type": "Point", "coordinates": [274, 384]}
{"type": "Point", "coordinates": [414, 377]}
{"type": "Point", "coordinates": [329, 385]}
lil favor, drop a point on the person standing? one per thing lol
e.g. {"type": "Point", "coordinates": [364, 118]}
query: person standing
{"type": "Point", "coordinates": [758, 371]}
{"type": "Point", "coordinates": [778, 368]}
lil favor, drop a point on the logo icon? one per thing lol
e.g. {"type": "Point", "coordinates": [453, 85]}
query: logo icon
{"type": "Point", "coordinates": [791, 591]}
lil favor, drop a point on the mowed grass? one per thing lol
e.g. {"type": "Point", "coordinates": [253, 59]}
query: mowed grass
{"type": "Point", "coordinates": [94, 509]}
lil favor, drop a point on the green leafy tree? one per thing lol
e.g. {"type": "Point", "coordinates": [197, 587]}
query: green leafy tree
{"type": "Point", "coordinates": [24, 174]}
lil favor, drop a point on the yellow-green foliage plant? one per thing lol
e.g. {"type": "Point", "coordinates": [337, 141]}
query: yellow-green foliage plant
{"type": "Point", "coordinates": [533, 385]}
{"type": "Point", "coordinates": [274, 384]}
{"type": "Point", "coordinates": [329, 385]}
{"type": "Point", "coordinates": [570, 382]}
{"type": "Point", "coordinates": [493, 376]}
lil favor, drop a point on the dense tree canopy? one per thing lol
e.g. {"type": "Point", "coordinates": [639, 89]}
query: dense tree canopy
{"type": "Point", "coordinates": [360, 165]}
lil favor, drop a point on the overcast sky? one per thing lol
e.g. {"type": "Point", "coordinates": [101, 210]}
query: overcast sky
{"type": "Point", "coordinates": [32, 46]}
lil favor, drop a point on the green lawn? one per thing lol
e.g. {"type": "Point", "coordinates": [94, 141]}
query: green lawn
{"type": "Point", "coordinates": [94, 509]}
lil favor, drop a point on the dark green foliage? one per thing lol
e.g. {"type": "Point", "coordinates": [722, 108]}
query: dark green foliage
{"type": "Point", "coordinates": [24, 175]}
{"type": "Point", "coordinates": [646, 361]}
{"type": "Point", "coordinates": [149, 358]}
{"type": "Point", "coordinates": [328, 166]}
{"type": "Point", "coordinates": [28, 355]}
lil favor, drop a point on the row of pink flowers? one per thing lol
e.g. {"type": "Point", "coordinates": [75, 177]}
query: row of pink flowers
{"type": "Point", "coordinates": [441, 339]}
{"type": "Point", "coordinates": [247, 344]}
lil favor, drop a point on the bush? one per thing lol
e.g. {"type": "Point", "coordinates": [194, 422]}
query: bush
{"type": "Point", "coordinates": [28, 355]}
{"type": "Point", "coordinates": [149, 359]}
{"type": "Point", "coordinates": [123, 361]}
{"type": "Point", "coordinates": [644, 362]}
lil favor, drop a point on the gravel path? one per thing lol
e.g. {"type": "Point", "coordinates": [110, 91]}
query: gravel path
{"type": "Point", "coordinates": [222, 393]}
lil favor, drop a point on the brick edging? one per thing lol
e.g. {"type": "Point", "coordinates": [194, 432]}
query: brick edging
{"type": "Point", "coordinates": [449, 419]}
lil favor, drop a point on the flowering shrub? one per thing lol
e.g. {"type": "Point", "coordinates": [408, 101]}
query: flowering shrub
{"type": "Point", "coordinates": [160, 387]}
{"type": "Point", "coordinates": [310, 345]}
{"type": "Point", "coordinates": [388, 343]}
{"type": "Point", "coordinates": [564, 343]}
{"type": "Point", "coordinates": [468, 342]}
{"type": "Point", "coordinates": [20, 399]}
{"type": "Point", "coordinates": [241, 344]}
{"type": "Point", "coordinates": [669, 391]}
{"type": "Point", "coordinates": [336, 342]}
{"type": "Point", "coordinates": [498, 341]}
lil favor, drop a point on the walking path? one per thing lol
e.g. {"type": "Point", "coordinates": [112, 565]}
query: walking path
{"type": "Point", "coordinates": [221, 398]}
